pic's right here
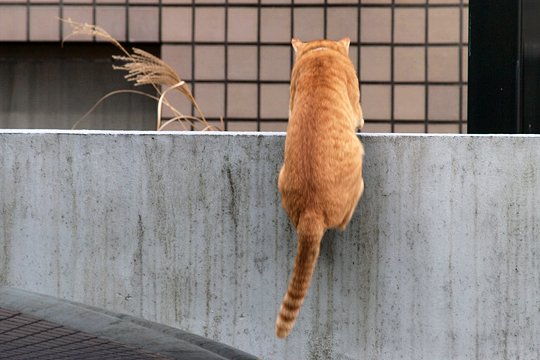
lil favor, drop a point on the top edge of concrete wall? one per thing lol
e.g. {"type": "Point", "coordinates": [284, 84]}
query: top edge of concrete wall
{"type": "Point", "coordinates": [239, 133]}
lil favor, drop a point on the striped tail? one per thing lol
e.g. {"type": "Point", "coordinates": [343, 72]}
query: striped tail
{"type": "Point", "coordinates": [310, 232]}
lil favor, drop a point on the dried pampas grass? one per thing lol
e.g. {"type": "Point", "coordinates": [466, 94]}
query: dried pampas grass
{"type": "Point", "coordinates": [146, 69]}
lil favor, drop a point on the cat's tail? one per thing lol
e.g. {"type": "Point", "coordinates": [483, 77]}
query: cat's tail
{"type": "Point", "coordinates": [310, 232]}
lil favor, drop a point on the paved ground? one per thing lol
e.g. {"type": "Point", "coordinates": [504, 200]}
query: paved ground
{"type": "Point", "coordinates": [27, 337]}
{"type": "Point", "coordinates": [34, 326]}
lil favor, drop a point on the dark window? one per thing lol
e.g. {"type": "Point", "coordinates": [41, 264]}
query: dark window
{"type": "Point", "coordinates": [45, 85]}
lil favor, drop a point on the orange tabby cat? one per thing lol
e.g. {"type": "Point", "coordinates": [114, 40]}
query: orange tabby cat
{"type": "Point", "coordinates": [321, 179]}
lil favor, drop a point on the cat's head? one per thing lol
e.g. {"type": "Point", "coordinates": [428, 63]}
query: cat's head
{"type": "Point", "coordinates": [301, 48]}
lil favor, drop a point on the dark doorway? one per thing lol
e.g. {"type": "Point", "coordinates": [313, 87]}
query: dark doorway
{"type": "Point", "coordinates": [504, 67]}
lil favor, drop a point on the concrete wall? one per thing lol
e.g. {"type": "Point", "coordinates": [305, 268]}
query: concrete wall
{"type": "Point", "coordinates": [440, 260]}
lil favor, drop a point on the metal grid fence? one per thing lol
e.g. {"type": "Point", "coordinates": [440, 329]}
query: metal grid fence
{"type": "Point", "coordinates": [411, 55]}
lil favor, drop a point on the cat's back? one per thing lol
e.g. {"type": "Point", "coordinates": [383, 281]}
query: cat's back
{"type": "Point", "coordinates": [322, 75]}
{"type": "Point", "coordinates": [322, 117]}
{"type": "Point", "coordinates": [322, 150]}
{"type": "Point", "coordinates": [320, 91]}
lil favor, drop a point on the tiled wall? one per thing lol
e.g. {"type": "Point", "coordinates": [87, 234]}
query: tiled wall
{"type": "Point", "coordinates": [412, 54]}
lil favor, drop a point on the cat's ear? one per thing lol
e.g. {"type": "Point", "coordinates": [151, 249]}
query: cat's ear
{"type": "Point", "coordinates": [345, 42]}
{"type": "Point", "coordinates": [297, 44]}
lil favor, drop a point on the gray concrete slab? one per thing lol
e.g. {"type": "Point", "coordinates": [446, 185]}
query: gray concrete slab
{"type": "Point", "coordinates": [439, 261]}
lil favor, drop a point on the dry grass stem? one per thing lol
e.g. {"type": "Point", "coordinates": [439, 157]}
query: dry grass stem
{"type": "Point", "coordinates": [144, 68]}
{"type": "Point", "coordinates": [103, 98]}
{"type": "Point", "coordinates": [92, 30]}
{"type": "Point", "coordinates": [194, 121]}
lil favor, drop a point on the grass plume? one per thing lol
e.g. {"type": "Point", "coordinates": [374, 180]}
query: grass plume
{"type": "Point", "coordinates": [144, 68]}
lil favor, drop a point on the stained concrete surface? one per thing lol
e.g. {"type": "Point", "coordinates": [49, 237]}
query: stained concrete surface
{"type": "Point", "coordinates": [439, 261]}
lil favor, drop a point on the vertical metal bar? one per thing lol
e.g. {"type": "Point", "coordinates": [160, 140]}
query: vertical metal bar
{"type": "Point", "coordinates": [94, 17]}
{"type": "Point", "coordinates": [60, 23]}
{"type": "Point", "coordinates": [392, 54]}
{"type": "Point", "coordinates": [160, 34]}
{"type": "Point", "coordinates": [193, 8]}
{"type": "Point", "coordinates": [259, 65]}
{"type": "Point", "coordinates": [358, 42]}
{"type": "Point", "coordinates": [27, 20]}
{"type": "Point", "coordinates": [292, 33]}
{"type": "Point", "coordinates": [325, 19]}
{"type": "Point", "coordinates": [460, 55]}
{"type": "Point", "coordinates": [226, 66]}
{"type": "Point", "coordinates": [292, 36]}
{"type": "Point", "coordinates": [426, 68]}
{"type": "Point", "coordinates": [160, 22]}
{"type": "Point", "coordinates": [127, 21]}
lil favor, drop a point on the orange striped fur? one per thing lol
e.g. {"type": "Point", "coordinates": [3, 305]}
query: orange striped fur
{"type": "Point", "coordinates": [321, 178]}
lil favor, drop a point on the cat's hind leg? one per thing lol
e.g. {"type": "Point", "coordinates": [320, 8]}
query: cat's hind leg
{"type": "Point", "coordinates": [352, 205]}
{"type": "Point", "coordinates": [280, 179]}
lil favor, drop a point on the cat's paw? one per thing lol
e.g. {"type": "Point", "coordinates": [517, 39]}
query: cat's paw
{"type": "Point", "coordinates": [361, 123]}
